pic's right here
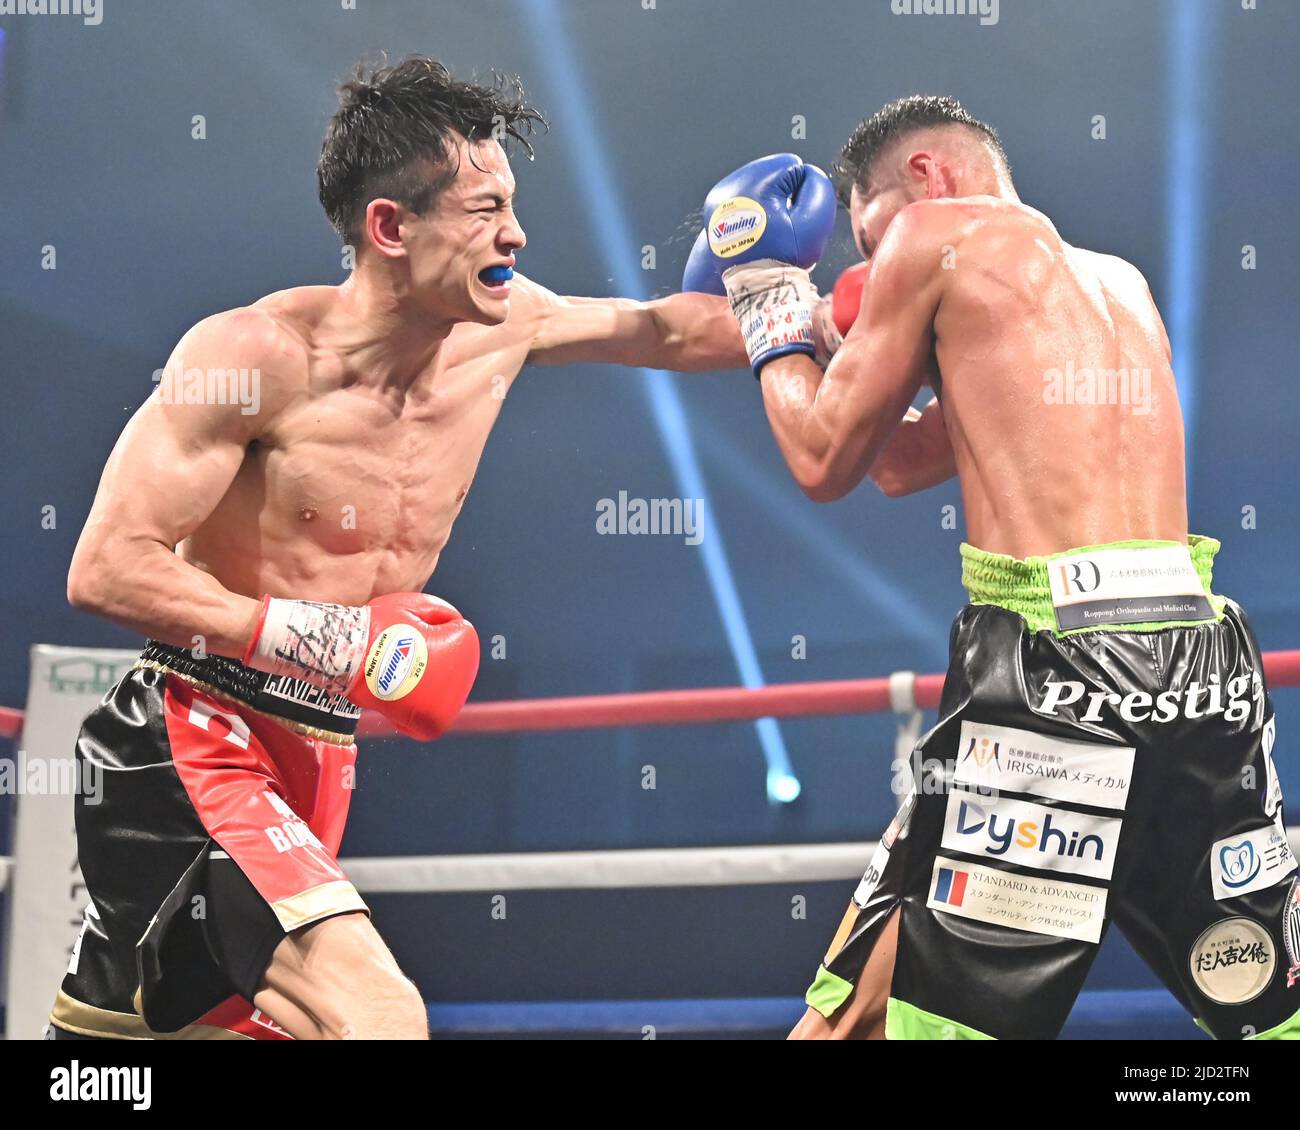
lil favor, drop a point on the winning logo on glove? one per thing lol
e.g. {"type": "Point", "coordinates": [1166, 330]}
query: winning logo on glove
{"type": "Point", "coordinates": [736, 225]}
{"type": "Point", "coordinates": [396, 662]}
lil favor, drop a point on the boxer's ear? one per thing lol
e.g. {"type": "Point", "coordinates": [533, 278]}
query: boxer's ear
{"type": "Point", "coordinates": [921, 166]}
{"type": "Point", "coordinates": [382, 223]}
{"type": "Point", "coordinates": [938, 178]}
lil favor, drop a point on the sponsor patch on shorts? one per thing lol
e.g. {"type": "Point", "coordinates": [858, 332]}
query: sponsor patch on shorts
{"type": "Point", "coordinates": [1032, 835]}
{"type": "Point", "coordinates": [1005, 759]}
{"type": "Point", "coordinates": [1291, 933]}
{"type": "Point", "coordinates": [871, 877]}
{"type": "Point", "coordinates": [1233, 961]}
{"type": "Point", "coordinates": [1126, 586]}
{"type": "Point", "coordinates": [1250, 862]}
{"type": "Point", "coordinates": [1273, 785]}
{"type": "Point", "coordinates": [1020, 902]}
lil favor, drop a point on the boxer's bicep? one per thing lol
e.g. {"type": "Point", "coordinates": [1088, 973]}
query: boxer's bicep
{"type": "Point", "coordinates": [168, 470]}
{"type": "Point", "coordinates": [177, 456]}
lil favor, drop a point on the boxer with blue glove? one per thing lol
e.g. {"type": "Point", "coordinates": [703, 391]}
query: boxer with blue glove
{"type": "Point", "coordinates": [765, 227]}
{"type": "Point", "coordinates": [1092, 629]}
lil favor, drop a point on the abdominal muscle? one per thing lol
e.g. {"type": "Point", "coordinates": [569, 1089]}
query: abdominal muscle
{"type": "Point", "coordinates": [354, 492]}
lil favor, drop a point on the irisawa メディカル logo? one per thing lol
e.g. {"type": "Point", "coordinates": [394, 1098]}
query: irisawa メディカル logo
{"type": "Point", "coordinates": [983, 750]}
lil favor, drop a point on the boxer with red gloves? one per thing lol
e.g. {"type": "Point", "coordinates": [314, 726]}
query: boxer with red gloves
{"type": "Point", "coordinates": [835, 314]}
{"type": "Point", "coordinates": [335, 494]}
{"type": "Point", "coordinates": [410, 657]}
{"type": "Point", "coordinates": [250, 770]}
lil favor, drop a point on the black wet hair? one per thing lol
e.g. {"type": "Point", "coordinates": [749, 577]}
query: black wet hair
{"type": "Point", "coordinates": [895, 120]}
{"type": "Point", "coordinates": [396, 127]}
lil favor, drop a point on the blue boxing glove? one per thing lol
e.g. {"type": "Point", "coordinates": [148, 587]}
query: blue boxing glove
{"type": "Point", "coordinates": [765, 227]}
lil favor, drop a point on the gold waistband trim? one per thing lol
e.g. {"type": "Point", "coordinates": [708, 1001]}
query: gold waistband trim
{"type": "Point", "coordinates": [335, 897]}
{"type": "Point", "coordinates": [330, 737]}
{"type": "Point", "coordinates": [73, 1016]}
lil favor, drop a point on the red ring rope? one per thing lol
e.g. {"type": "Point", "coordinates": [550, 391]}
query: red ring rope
{"type": "Point", "coordinates": [706, 704]}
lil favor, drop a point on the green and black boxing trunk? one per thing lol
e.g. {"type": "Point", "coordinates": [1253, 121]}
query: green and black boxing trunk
{"type": "Point", "coordinates": [1104, 753]}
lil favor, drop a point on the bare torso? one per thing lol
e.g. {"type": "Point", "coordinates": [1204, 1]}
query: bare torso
{"type": "Point", "coordinates": [352, 489]}
{"type": "Point", "coordinates": [1022, 319]}
{"type": "Point", "coordinates": [338, 477]}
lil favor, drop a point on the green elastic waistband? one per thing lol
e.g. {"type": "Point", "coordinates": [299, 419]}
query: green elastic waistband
{"type": "Point", "coordinates": [1021, 586]}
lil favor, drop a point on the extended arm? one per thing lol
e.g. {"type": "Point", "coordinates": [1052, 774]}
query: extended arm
{"type": "Point", "coordinates": [683, 332]}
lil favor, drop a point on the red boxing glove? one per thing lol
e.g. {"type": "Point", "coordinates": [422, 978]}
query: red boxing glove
{"type": "Point", "coordinates": [409, 656]}
{"type": "Point", "coordinates": [836, 313]}
{"type": "Point", "coordinates": [846, 298]}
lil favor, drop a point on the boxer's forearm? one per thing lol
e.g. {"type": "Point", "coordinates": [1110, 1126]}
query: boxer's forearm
{"type": "Point", "coordinates": [682, 332]}
{"type": "Point", "coordinates": [695, 332]}
{"type": "Point", "coordinates": [144, 587]}
{"type": "Point", "coordinates": [829, 431]}
{"type": "Point", "coordinates": [918, 455]}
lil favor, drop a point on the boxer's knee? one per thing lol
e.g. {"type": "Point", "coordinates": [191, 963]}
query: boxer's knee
{"type": "Point", "coordinates": [336, 979]}
{"type": "Point", "coordinates": [812, 1026]}
{"type": "Point", "coordinates": [862, 1015]}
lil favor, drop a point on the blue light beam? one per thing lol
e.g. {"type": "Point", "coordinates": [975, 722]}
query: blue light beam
{"type": "Point", "coordinates": [560, 65]}
{"type": "Point", "coordinates": [1189, 93]}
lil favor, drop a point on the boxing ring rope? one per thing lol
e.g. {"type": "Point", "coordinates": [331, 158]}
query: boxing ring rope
{"type": "Point", "coordinates": [903, 693]}
{"type": "Point", "coordinates": [681, 707]}
{"type": "Point", "coordinates": [699, 705]}
{"type": "Point", "coordinates": [728, 704]}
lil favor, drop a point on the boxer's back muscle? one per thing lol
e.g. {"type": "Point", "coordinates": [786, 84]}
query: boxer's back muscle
{"type": "Point", "coordinates": [1057, 390]}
